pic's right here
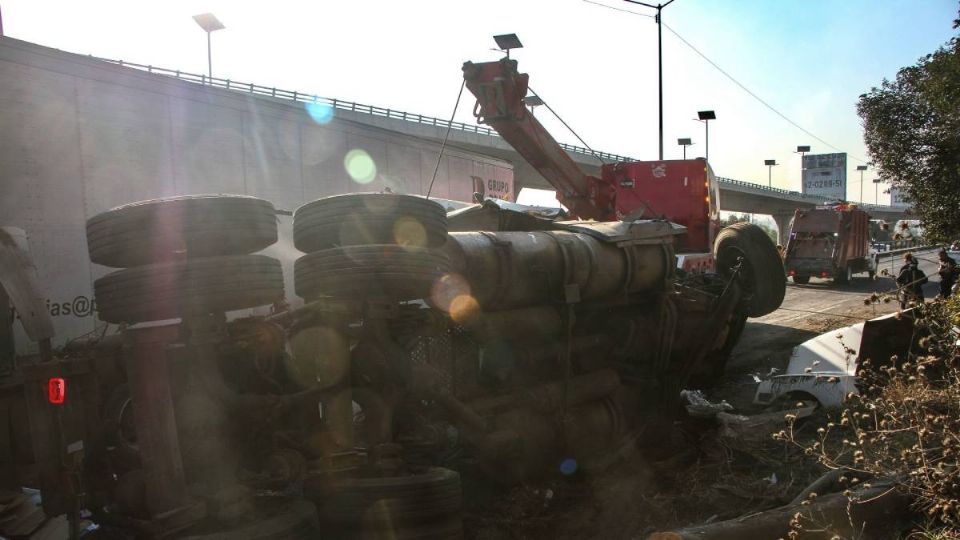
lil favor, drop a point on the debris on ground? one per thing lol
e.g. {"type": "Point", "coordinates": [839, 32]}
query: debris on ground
{"type": "Point", "coordinates": [699, 407]}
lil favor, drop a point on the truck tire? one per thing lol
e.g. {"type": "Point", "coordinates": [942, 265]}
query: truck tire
{"type": "Point", "coordinates": [193, 287]}
{"type": "Point", "coordinates": [270, 520]}
{"type": "Point", "coordinates": [761, 276]}
{"type": "Point", "coordinates": [380, 504]}
{"type": "Point", "coordinates": [162, 230]}
{"type": "Point", "coordinates": [801, 280]}
{"type": "Point", "coordinates": [844, 275]}
{"type": "Point", "coordinates": [385, 272]}
{"type": "Point", "coordinates": [369, 218]}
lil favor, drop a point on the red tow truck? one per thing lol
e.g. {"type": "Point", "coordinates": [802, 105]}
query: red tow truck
{"type": "Point", "coordinates": [684, 192]}
{"type": "Point", "coordinates": [829, 242]}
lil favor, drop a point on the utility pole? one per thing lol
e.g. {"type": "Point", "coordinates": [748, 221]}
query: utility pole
{"type": "Point", "coordinates": [659, 19]}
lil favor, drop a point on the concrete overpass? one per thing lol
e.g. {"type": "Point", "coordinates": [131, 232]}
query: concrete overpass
{"type": "Point", "coordinates": [735, 195]}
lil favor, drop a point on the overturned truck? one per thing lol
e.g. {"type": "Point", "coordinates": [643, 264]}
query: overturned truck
{"type": "Point", "coordinates": [500, 339]}
{"type": "Point", "coordinates": [525, 347]}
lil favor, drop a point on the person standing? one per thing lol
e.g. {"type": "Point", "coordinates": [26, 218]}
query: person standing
{"type": "Point", "coordinates": [948, 273]}
{"type": "Point", "coordinates": [911, 280]}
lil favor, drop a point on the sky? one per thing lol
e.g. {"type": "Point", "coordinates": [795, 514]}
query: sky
{"type": "Point", "coordinates": [596, 65]}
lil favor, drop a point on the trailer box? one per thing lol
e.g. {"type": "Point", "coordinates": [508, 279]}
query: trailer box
{"type": "Point", "coordinates": [831, 242]}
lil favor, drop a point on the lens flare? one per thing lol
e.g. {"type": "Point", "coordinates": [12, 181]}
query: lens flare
{"type": "Point", "coordinates": [568, 466]}
{"type": "Point", "coordinates": [360, 166]}
{"type": "Point", "coordinates": [464, 308]}
{"type": "Point", "coordinates": [408, 231]}
{"type": "Point", "coordinates": [321, 113]}
{"type": "Point", "coordinates": [446, 289]}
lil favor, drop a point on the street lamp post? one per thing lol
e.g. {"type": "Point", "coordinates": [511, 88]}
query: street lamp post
{"type": "Point", "coordinates": [659, 19]}
{"type": "Point", "coordinates": [210, 24]}
{"type": "Point", "coordinates": [770, 163]}
{"type": "Point", "coordinates": [861, 168]}
{"type": "Point", "coordinates": [685, 143]}
{"type": "Point", "coordinates": [706, 117]}
{"type": "Point", "coordinates": [876, 190]}
{"type": "Point", "coordinates": [802, 150]}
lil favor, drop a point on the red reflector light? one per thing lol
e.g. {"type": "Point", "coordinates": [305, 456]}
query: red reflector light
{"type": "Point", "coordinates": [56, 390]}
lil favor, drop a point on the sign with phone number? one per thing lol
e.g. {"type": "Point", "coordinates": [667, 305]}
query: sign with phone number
{"type": "Point", "coordinates": [825, 175]}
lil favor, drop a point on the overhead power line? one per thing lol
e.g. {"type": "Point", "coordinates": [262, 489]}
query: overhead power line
{"type": "Point", "coordinates": [755, 96]}
{"type": "Point", "coordinates": [735, 81]}
{"type": "Point", "coordinates": [620, 9]}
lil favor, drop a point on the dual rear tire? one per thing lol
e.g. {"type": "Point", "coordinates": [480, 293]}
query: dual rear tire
{"type": "Point", "coordinates": [184, 256]}
{"type": "Point", "coordinates": [370, 246]}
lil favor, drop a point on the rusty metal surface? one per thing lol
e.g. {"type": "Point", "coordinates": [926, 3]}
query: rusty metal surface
{"type": "Point", "coordinates": [531, 346]}
{"type": "Point", "coordinates": [519, 269]}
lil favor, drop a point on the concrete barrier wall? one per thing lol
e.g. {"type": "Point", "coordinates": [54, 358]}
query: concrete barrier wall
{"type": "Point", "coordinates": [79, 136]}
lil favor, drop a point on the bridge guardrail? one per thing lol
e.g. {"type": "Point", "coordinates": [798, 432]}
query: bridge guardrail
{"type": "Point", "coordinates": [373, 110]}
{"type": "Point", "coordinates": [767, 188]}
{"type": "Point", "coordinates": [898, 245]}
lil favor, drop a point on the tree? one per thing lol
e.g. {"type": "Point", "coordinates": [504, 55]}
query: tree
{"type": "Point", "coordinates": [912, 132]}
{"type": "Point", "coordinates": [734, 218]}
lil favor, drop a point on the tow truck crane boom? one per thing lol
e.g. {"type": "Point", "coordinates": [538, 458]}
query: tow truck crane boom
{"type": "Point", "coordinates": [500, 89]}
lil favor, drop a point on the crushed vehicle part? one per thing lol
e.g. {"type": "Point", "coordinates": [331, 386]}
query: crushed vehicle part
{"type": "Point", "coordinates": [18, 279]}
{"type": "Point", "coordinates": [698, 406]}
{"type": "Point", "coordinates": [824, 368]}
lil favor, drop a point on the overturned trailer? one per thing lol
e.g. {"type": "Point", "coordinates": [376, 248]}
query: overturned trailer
{"type": "Point", "coordinates": [497, 338]}
{"type": "Point", "coordinates": [532, 343]}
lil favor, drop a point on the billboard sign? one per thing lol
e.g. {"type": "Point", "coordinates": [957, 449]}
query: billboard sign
{"type": "Point", "coordinates": [825, 175]}
{"type": "Point", "coordinates": [898, 197]}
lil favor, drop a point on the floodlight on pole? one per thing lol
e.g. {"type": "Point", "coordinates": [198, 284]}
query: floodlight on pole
{"type": "Point", "coordinates": [770, 163]}
{"type": "Point", "coordinates": [533, 101]}
{"type": "Point", "coordinates": [861, 168]}
{"type": "Point", "coordinates": [706, 117]}
{"type": "Point", "coordinates": [802, 150]}
{"type": "Point", "coordinates": [508, 42]}
{"type": "Point", "coordinates": [210, 24]}
{"type": "Point", "coordinates": [685, 142]}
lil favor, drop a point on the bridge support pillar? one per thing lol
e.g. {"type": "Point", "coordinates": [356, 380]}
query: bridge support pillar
{"type": "Point", "coordinates": [783, 226]}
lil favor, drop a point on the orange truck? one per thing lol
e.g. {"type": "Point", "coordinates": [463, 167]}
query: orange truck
{"type": "Point", "coordinates": [829, 242]}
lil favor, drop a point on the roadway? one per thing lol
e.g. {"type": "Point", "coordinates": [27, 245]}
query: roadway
{"type": "Point", "coordinates": [818, 307]}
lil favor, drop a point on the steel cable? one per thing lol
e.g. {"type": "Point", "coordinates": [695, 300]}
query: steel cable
{"type": "Point", "coordinates": [446, 136]}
